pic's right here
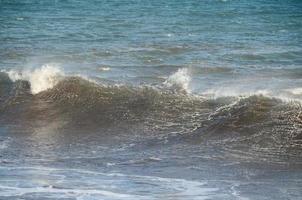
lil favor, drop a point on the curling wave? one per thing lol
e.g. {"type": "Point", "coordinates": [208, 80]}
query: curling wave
{"type": "Point", "coordinates": [253, 122]}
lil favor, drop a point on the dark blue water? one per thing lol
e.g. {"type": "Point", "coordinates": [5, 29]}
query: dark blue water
{"type": "Point", "coordinates": [150, 99]}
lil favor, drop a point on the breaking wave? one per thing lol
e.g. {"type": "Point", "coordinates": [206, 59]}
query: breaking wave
{"type": "Point", "coordinates": [256, 121]}
{"type": "Point", "coordinates": [40, 79]}
{"type": "Point", "coordinates": [180, 80]}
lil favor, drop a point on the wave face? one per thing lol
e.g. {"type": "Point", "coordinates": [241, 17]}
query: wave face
{"type": "Point", "coordinates": [255, 125]}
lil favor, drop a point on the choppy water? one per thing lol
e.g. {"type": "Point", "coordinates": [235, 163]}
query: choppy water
{"type": "Point", "coordinates": [150, 99]}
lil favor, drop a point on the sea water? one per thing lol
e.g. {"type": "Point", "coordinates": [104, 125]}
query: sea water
{"type": "Point", "coordinates": [150, 99]}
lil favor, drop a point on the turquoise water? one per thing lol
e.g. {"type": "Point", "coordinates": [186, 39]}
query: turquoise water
{"type": "Point", "coordinates": [147, 35]}
{"type": "Point", "coordinates": [150, 99]}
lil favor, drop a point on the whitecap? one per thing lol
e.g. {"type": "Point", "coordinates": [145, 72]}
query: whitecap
{"type": "Point", "coordinates": [179, 80]}
{"type": "Point", "coordinates": [40, 79]}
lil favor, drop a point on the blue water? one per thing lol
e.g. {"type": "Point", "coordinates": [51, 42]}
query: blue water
{"type": "Point", "coordinates": [82, 36]}
{"type": "Point", "coordinates": [249, 53]}
{"type": "Point", "coordinates": [145, 41]}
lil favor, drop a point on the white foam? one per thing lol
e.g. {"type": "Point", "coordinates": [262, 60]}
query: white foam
{"type": "Point", "coordinates": [288, 95]}
{"type": "Point", "coordinates": [105, 68]}
{"type": "Point", "coordinates": [17, 191]}
{"type": "Point", "coordinates": [295, 91]}
{"type": "Point", "coordinates": [179, 80]}
{"type": "Point", "coordinates": [40, 79]}
{"type": "Point", "coordinates": [233, 92]}
{"type": "Point", "coordinates": [4, 143]}
{"type": "Point", "coordinates": [173, 188]}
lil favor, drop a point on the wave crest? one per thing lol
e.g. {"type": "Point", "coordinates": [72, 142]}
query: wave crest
{"type": "Point", "coordinates": [40, 79]}
{"type": "Point", "coordinates": [180, 80]}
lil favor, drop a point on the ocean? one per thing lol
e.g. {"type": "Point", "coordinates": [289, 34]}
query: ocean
{"type": "Point", "coordinates": [193, 99]}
